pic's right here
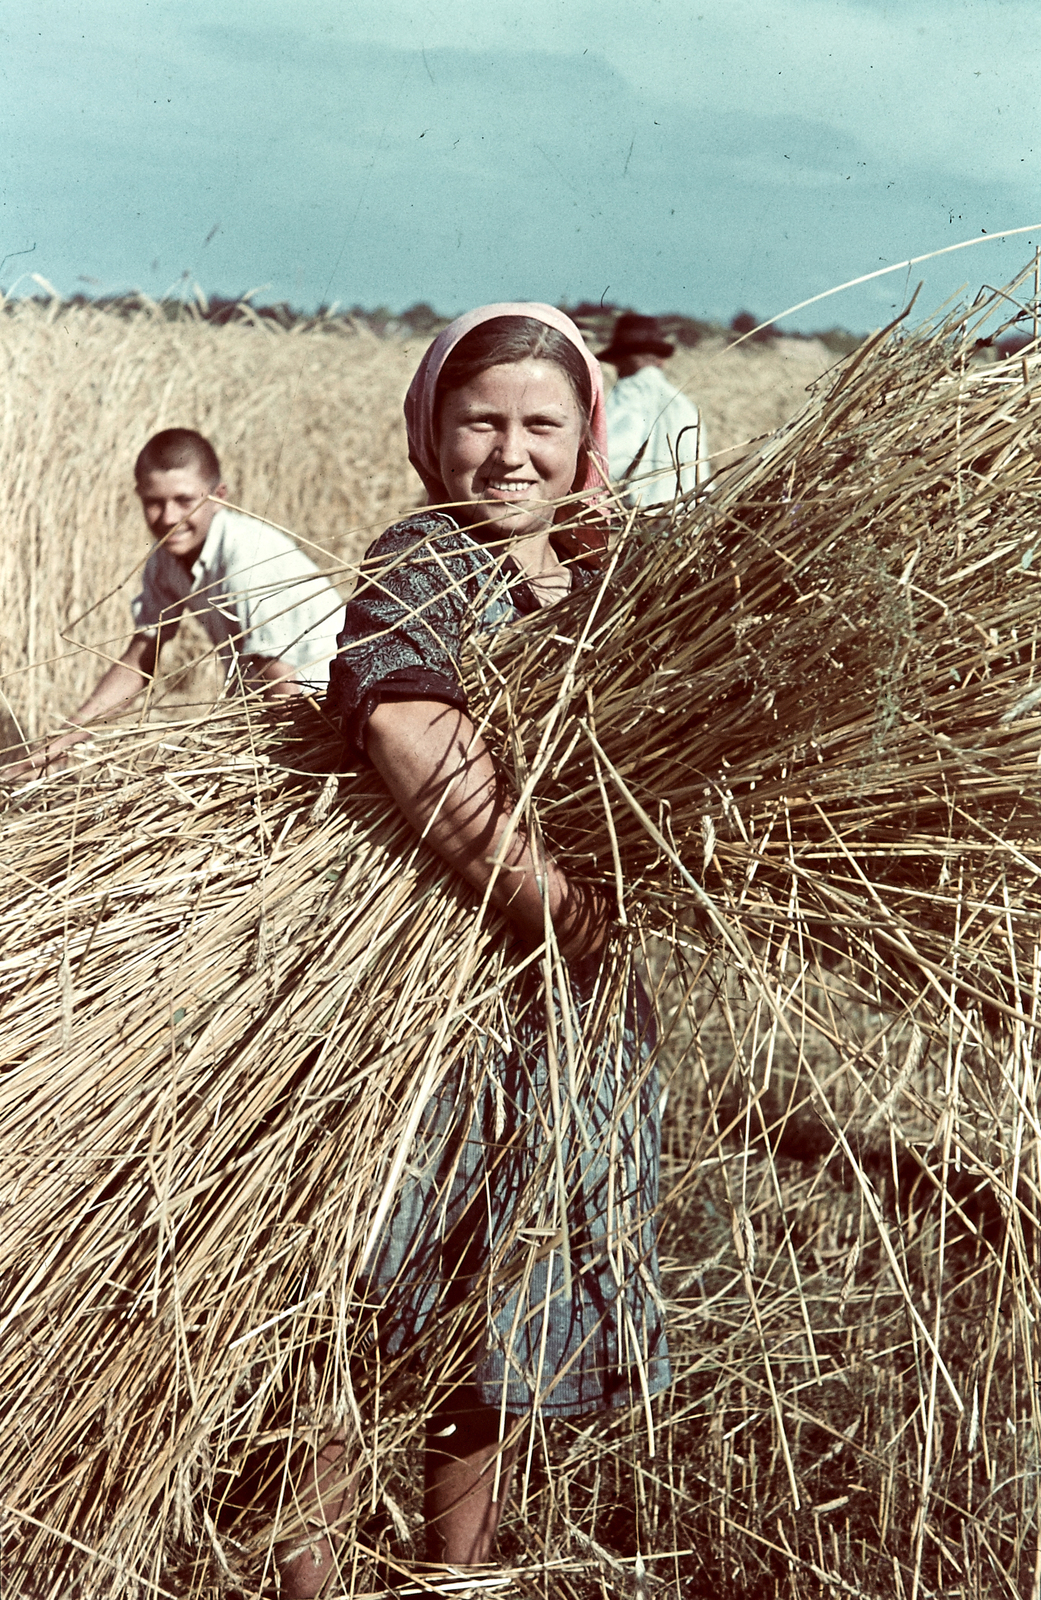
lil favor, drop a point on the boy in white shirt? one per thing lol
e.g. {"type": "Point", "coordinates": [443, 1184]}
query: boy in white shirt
{"type": "Point", "coordinates": [271, 614]}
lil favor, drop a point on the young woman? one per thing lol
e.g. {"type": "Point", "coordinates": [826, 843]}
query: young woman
{"type": "Point", "coordinates": [532, 1210]}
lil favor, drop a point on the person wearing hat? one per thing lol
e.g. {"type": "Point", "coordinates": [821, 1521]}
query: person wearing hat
{"type": "Point", "coordinates": [655, 440]}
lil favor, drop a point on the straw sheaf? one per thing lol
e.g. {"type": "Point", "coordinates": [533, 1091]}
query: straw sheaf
{"type": "Point", "coordinates": [796, 724]}
{"type": "Point", "coordinates": [828, 670]}
{"type": "Point", "coordinates": [228, 993]}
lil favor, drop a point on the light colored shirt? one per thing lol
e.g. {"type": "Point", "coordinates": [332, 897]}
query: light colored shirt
{"type": "Point", "coordinates": [255, 592]}
{"type": "Point", "coordinates": [646, 411]}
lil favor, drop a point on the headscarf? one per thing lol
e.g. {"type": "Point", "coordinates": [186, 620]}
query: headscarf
{"type": "Point", "coordinates": [421, 423]}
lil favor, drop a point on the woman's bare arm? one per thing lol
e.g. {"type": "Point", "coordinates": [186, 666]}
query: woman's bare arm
{"type": "Point", "coordinates": [444, 779]}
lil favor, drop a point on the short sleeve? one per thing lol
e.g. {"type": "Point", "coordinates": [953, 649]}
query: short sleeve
{"type": "Point", "coordinates": [404, 630]}
{"type": "Point", "coordinates": [159, 603]}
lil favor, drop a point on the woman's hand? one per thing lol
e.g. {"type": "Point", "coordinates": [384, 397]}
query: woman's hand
{"type": "Point", "coordinates": [442, 775]}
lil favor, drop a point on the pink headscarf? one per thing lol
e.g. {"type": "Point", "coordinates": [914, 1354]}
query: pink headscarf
{"type": "Point", "coordinates": [420, 421]}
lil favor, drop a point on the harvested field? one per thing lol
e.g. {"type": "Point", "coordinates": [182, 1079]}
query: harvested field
{"type": "Point", "coordinates": [799, 726]}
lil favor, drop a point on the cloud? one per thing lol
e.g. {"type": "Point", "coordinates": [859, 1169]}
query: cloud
{"type": "Point", "coordinates": [897, 76]}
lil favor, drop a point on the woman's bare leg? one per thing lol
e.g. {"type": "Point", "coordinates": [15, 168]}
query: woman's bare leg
{"type": "Point", "coordinates": [466, 1486]}
{"type": "Point", "coordinates": [305, 1563]}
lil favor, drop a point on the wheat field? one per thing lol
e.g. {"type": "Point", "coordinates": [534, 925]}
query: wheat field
{"type": "Point", "coordinates": [307, 423]}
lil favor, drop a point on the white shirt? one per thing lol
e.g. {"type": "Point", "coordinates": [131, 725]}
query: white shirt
{"type": "Point", "coordinates": [255, 593]}
{"type": "Point", "coordinates": [646, 409]}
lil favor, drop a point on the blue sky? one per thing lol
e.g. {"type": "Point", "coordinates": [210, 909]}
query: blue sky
{"type": "Point", "coordinates": [671, 155]}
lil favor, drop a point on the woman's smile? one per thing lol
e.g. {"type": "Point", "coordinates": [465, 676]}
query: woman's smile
{"type": "Point", "coordinates": [510, 486]}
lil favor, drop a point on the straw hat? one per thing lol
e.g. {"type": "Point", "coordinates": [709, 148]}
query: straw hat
{"type": "Point", "coordinates": [635, 335]}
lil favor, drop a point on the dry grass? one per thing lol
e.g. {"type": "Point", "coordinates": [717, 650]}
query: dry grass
{"type": "Point", "coordinates": [799, 726]}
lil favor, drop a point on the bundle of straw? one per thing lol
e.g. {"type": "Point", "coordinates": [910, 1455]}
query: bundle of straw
{"type": "Point", "coordinates": [215, 997]}
{"type": "Point", "coordinates": [229, 995]}
{"type": "Point", "coordinates": [818, 694]}
{"type": "Point", "coordinates": [798, 715]}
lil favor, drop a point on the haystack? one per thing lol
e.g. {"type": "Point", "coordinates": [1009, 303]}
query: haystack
{"type": "Point", "coordinates": [798, 728]}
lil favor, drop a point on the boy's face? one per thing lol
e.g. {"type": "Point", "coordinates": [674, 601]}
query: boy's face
{"type": "Point", "coordinates": [171, 500]}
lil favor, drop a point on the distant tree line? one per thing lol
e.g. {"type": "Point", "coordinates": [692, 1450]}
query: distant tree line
{"type": "Point", "coordinates": [422, 321]}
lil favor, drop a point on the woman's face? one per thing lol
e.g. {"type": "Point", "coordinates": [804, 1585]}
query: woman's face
{"type": "Point", "coordinates": [508, 445]}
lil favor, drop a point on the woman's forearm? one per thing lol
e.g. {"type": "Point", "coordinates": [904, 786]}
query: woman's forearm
{"type": "Point", "coordinates": [442, 776]}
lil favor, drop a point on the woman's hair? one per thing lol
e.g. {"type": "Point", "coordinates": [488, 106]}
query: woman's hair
{"type": "Point", "coordinates": [503, 340]}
